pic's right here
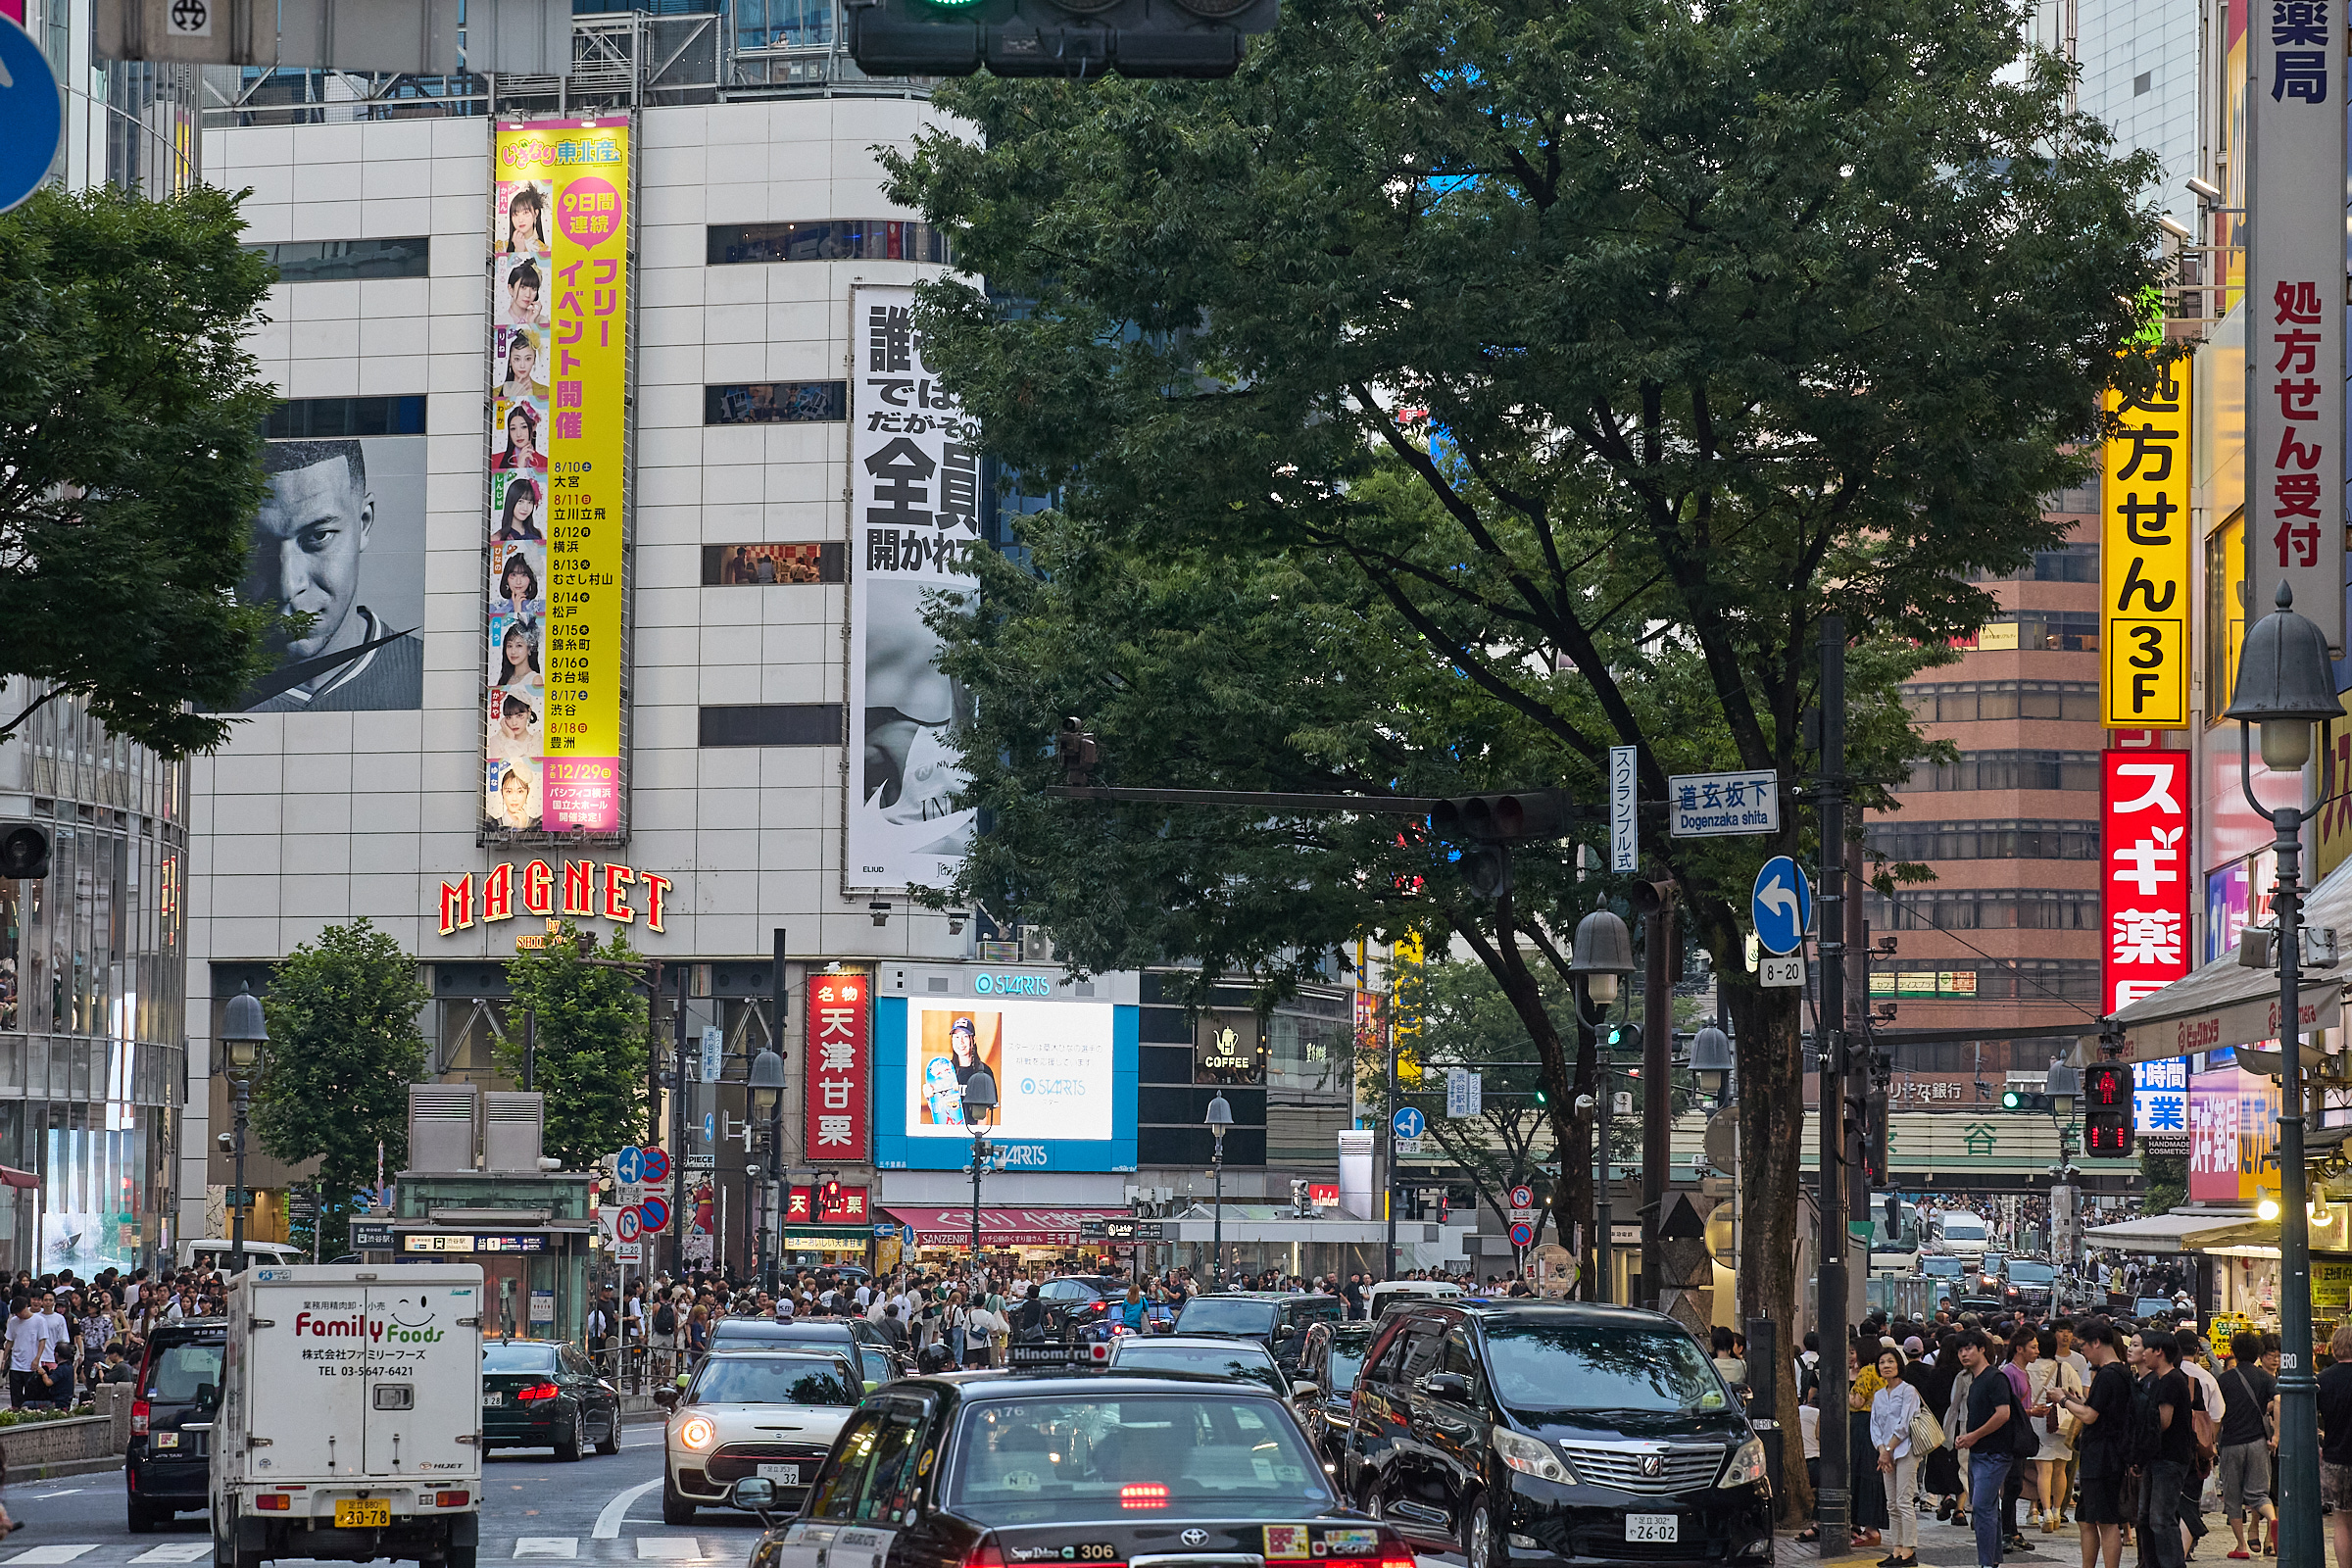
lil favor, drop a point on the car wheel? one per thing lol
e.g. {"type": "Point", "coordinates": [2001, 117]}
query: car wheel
{"type": "Point", "coordinates": [611, 1443]}
{"type": "Point", "coordinates": [1482, 1538]}
{"type": "Point", "coordinates": [141, 1517]}
{"type": "Point", "coordinates": [569, 1446]}
{"type": "Point", "coordinates": [1370, 1501]}
{"type": "Point", "coordinates": [675, 1510]}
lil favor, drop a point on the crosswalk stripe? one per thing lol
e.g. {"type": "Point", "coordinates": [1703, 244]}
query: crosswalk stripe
{"type": "Point", "coordinates": [547, 1545]}
{"type": "Point", "coordinates": [668, 1547]}
{"type": "Point", "coordinates": [60, 1553]}
{"type": "Point", "coordinates": [178, 1552]}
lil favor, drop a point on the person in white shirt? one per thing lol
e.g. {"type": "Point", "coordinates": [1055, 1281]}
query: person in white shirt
{"type": "Point", "coordinates": [25, 1333]}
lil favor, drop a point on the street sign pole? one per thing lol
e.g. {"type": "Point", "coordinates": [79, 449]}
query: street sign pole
{"type": "Point", "coordinates": [1830, 1499]}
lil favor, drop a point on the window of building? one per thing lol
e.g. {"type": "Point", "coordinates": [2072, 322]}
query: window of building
{"type": "Point", "coordinates": [315, 419]}
{"type": "Point", "coordinates": [832, 239]}
{"type": "Point", "coordinates": [1965, 701]}
{"type": "Point", "coordinates": [2081, 500]}
{"type": "Point", "coordinates": [1983, 840]}
{"type": "Point", "coordinates": [335, 261]}
{"type": "Point", "coordinates": [760, 565]}
{"type": "Point", "coordinates": [774, 724]}
{"type": "Point", "coordinates": [2072, 631]}
{"type": "Point", "coordinates": [2009, 770]}
{"type": "Point", "coordinates": [2074, 563]}
{"type": "Point", "coordinates": [782, 23]}
{"type": "Point", "coordinates": [776, 403]}
{"type": "Point", "coordinates": [1939, 908]}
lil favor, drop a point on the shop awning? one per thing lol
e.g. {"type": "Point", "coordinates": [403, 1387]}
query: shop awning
{"type": "Point", "coordinates": [1000, 1227]}
{"type": "Point", "coordinates": [2184, 1230]}
{"type": "Point", "coordinates": [2223, 1005]}
{"type": "Point", "coordinates": [13, 1177]}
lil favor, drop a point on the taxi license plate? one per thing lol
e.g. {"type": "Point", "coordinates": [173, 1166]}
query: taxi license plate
{"type": "Point", "coordinates": [789, 1474]}
{"type": "Point", "coordinates": [492, 1401]}
{"type": "Point", "coordinates": [1653, 1527]}
{"type": "Point", "coordinates": [362, 1513]}
{"type": "Point", "coordinates": [167, 1439]}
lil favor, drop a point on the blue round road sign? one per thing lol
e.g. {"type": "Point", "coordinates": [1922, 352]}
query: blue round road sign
{"type": "Point", "coordinates": [629, 1164]}
{"type": "Point", "coordinates": [1781, 905]}
{"type": "Point", "coordinates": [653, 1165]}
{"type": "Point", "coordinates": [1523, 1233]}
{"type": "Point", "coordinates": [653, 1214]}
{"type": "Point", "coordinates": [1408, 1122]}
{"type": "Point", "coordinates": [32, 114]}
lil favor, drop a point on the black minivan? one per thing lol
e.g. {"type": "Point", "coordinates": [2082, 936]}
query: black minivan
{"type": "Point", "coordinates": [169, 1458]}
{"type": "Point", "coordinates": [1535, 1433]}
{"type": "Point", "coordinates": [1277, 1321]}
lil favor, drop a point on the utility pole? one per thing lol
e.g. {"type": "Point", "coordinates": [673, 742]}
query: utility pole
{"type": "Point", "coordinates": [1833, 1496]}
{"type": "Point", "coordinates": [1658, 1054]}
{"type": "Point", "coordinates": [1603, 1221]}
{"type": "Point", "coordinates": [678, 1131]}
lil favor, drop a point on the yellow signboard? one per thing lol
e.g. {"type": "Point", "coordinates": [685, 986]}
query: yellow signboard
{"type": "Point", "coordinates": [559, 386]}
{"type": "Point", "coordinates": [2143, 557]}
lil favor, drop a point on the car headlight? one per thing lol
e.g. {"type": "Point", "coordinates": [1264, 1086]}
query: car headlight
{"type": "Point", "coordinates": [1747, 1466]}
{"type": "Point", "coordinates": [696, 1432]}
{"type": "Point", "coordinates": [1531, 1458]}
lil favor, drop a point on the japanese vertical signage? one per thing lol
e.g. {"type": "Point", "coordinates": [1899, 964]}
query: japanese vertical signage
{"type": "Point", "coordinates": [1625, 829]}
{"type": "Point", "coordinates": [1405, 983]}
{"type": "Point", "coordinates": [2143, 557]}
{"type": "Point", "coordinates": [914, 520]}
{"type": "Point", "coordinates": [2295, 310]}
{"type": "Point", "coordinates": [2232, 1135]}
{"type": "Point", "coordinates": [2144, 893]}
{"type": "Point", "coordinates": [559, 379]}
{"type": "Point", "coordinates": [840, 1078]}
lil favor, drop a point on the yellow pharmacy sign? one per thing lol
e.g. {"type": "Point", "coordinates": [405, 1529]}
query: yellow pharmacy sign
{"type": "Point", "coordinates": [2143, 557]}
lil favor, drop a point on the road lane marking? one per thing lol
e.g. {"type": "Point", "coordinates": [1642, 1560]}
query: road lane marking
{"type": "Point", "coordinates": [55, 1553]}
{"type": "Point", "coordinates": [666, 1548]}
{"type": "Point", "coordinates": [608, 1523]}
{"type": "Point", "coordinates": [547, 1545]}
{"type": "Point", "coordinates": [178, 1552]}
{"type": "Point", "coordinates": [68, 1492]}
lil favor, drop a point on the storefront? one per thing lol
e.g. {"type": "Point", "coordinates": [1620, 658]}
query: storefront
{"type": "Point", "coordinates": [1025, 1238]}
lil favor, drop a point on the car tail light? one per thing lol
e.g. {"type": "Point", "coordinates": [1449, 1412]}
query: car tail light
{"type": "Point", "coordinates": [1405, 1561]}
{"type": "Point", "coordinates": [452, 1499]}
{"type": "Point", "coordinates": [537, 1391]}
{"type": "Point", "coordinates": [276, 1501]}
{"type": "Point", "coordinates": [139, 1412]}
{"type": "Point", "coordinates": [985, 1553]}
{"type": "Point", "coordinates": [1144, 1495]}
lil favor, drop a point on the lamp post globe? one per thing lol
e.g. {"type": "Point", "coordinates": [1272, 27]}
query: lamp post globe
{"type": "Point", "coordinates": [979, 1109]}
{"type": "Point", "coordinates": [1603, 955]}
{"type": "Point", "coordinates": [1711, 1060]}
{"type": "Point", "coordinates": [767, 1110]}
{"type": "Point", "coordinates": [243, 1034]}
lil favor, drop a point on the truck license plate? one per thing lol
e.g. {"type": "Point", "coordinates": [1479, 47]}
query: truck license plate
{"type": "Point", "coordinates": [1653, 1527]}
{"type": "Point", "coordinates": [376, 1514]}
{"type": "Point", "coordinates": [788, 1474]}
{"type": "Point", "coordinates": [492, 1401]}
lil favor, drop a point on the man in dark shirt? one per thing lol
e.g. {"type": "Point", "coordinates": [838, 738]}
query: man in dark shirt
{"type": "Point", "coordinates": [2335, 1438]}
{"type": "Point", "coordinates": [1986, 1442]}
{"type": "Point", "coordinates": [2105, 1411]}
{"type": "Point", "coordinates": [2245, 1438]}
{"type": "Point", "coordinates": [2173, 1399]}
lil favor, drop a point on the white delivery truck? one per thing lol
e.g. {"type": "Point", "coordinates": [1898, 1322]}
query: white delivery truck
{"type": "Point", "coordinates": [351, 1414]}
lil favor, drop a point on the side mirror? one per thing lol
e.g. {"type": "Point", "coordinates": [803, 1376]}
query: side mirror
{"type": "Point", "coordinates": [1306, 1391]}
{"type": "Point", "coordinates": [666, 1399]}
{"type": "Point", "coordinates": [1445, 1386]}
{"type": "Point", "coordinates": [754, 1493]}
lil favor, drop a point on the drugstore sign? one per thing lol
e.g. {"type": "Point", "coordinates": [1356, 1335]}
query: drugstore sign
{"type": "Point", "coordinates": [570, 889]}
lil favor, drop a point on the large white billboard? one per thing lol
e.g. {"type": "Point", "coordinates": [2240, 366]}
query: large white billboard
{"type": "Point", "coordinates": [1051, 1062]}
{"type": "Point", "coordinates": [914, 520]}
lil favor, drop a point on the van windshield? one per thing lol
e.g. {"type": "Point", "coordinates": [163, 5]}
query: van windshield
{"type": "Point", "coordinates": [1560, 1367]}
{"type": "Point", "coordinates": [1225, 1314]}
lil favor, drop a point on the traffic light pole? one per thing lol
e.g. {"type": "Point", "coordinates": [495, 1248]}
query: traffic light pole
{"type": "Point", "coordinates": [1834, 1524]}
{"type": "Point", "coordinates": [1657, 1046]}
{"type": "Point", "coordinates": [1605, 1097]}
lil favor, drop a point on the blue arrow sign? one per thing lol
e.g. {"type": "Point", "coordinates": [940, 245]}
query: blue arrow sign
{"type": "Point", "coordinates": [1781, 905]}
{"type": "Point", "coordinates": [629, 1165]}
{"type": "Point", "coordinates": [710, 1126]}
{"type": "Point", "coordinates": [32, 114]}
{"type": "Point", "coordinates": [1408, 1122]}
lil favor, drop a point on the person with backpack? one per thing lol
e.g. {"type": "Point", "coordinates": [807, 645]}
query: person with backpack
{"type": "Point", "coordinates": [2164, 1446]}
{"type": "Point", "coordinates": [2245, 1441]}
{"type": "Point", "coordinates": [1989, 1440]}
{"type": "Point", "coordinates": [2101, 1456]}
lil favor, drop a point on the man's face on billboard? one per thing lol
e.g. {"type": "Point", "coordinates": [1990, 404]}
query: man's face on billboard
{"type": "Point", "coordinates": [308, 539]}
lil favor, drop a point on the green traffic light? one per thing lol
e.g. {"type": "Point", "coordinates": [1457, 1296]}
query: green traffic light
{"type": "Point", "coordinates": [2011, 1100]}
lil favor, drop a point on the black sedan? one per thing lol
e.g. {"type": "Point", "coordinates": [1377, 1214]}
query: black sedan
{"type": "Point", "coordinates": [541, 1394]}
{"type": "Point", "coordinates": [1005, 1469]}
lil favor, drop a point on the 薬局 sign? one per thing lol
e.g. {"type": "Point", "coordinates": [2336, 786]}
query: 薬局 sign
{"type": "Point", "coordinates": [1722, 805]}
{"type": "Point", "coordinates": [838, 1109]}
{"type": "Point", "coordinates": [2144, 891]}
{"type": "Point", "coordinates": [558, 385]}
{"type": "Point", "coordinates": [2143, 557]}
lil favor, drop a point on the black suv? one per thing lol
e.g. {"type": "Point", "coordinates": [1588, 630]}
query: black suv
{"type": "Point", "coordinates": [166, 1468]}
{"type": "Point", "coordinates": [1543, 1432]}
{"type": "Point", "coordinates": [1275, 1320]}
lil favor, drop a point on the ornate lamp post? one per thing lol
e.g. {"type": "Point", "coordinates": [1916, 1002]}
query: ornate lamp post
{"type": "Point", "coordinates": [768, 1109]}
{"type": "Point", "coordinates": [243, 1034]}
{"type": "Point", "coordinates": [979, 1109]}
{"type": "Point", "coordinates": [1602, 957]}
{"type": "Point", "coordinates": [1220, 1117]}
{"type": "Point", "coordinates": [1711, 1060]}
{"type": "Point", "coordinates": [2286, 684]}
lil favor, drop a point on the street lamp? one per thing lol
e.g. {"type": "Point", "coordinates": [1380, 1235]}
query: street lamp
{"type": "Point", "coordinates": [1711, 1060]}
{"type": "Point", "coordinates": [243, 1034]}
{"type": "Point", "coordinates": [1603, 956]}
{"type": "Point", "coordinates": [768, 1109]}
{"type": "Point", "coordinates": [979, 1106]}
{"type": "Point", "coordinates": [1220, 1117]}
{"type": "Point", "coordinates": [2286, 684]}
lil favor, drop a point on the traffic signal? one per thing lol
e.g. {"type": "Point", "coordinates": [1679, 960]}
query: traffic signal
{"type": "Point", "coordinates": [1078, 39]}
{"type": "Point", "coordinates": [2023, 1099]}
{"type": "Point", "coordinates": [1509, 818]}
{"type": "Point", "coordinates": [24, 850]}
{"type": "Point", "coordinates": [2107, 1126]}
{"type": "Point", "coordinates": [1623, 1038]}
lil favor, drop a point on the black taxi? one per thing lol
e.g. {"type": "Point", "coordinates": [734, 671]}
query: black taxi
{"type": "Point", "coordinates": [998, 1470]}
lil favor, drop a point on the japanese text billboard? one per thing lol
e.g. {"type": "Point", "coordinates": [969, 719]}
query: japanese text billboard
{"type": "Point", "coordinates": [915, 519]}
{"type": "Point", "coordinates": [2143, 557]}
{"type": "Point", "coordinates": [2159, 1103]}
{"type": "Point", "coordinates": [2144, 891]}
{"type": "Point", "coordinates": [841, 1068]}
{"type": "Point", "coordinates": [558, 385]}
{"type": "Point", "coordinates": [2232, 1135]}
{"type": "Point", "coordinates": [2295, 310]}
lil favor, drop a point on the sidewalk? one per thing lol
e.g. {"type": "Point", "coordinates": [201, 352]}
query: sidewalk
{"type": "Point", "coordinates": [1945, 1546]}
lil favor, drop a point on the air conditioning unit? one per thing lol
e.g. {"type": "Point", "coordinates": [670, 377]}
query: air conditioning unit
{"type": "Point", "coordinates": [512, 1125]}
{"type": "Point", "coordinates": [441, 1126]}
{"type": "Point", "coordinates": [1036, 946]}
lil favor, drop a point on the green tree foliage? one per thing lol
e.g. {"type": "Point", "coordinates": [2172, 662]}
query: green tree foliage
{"type": "Point", "coordinates": [343, 1049]}
{"type": "Point", "coordinates": [1467, 1021]}
{"type": "Point", "coordinates": [1585, 354]}
{"type": "Point", "coordinates": [2166, 1181]}
{"type": "Point", "coordinates": [130, 434]}
{"type": "Point", "coordinates": [590, 1041]}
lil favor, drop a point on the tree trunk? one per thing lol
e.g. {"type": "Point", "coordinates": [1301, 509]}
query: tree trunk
{"type": "Point", "coordinates": [1571, 1136]}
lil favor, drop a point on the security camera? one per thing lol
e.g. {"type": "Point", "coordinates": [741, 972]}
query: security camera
{"type": "Point", "coordinates": [2206, 191]}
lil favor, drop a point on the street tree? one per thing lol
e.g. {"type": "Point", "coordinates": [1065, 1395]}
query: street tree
{"type": "Point", "coordinates": [130, 437]}
{"type": "Point", "coordinates": [1607, 348]}
{"type": "Point", "coordinates": [344, 1047]}
{"type": "Point", "coordinates": [1467, 1021]}
{"type": "Point", "coordinates": [589, 1041]}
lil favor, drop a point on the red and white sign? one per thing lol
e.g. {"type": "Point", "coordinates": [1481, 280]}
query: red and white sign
{"type": "Point", "coordinates": [818, 1206]}
{"type": "Point", "coordinates": [1323, 1195]}
{"type": "Point", "coordinates": [840, 1093]}
{"type": "Point", "coordinates": [2144, 891]}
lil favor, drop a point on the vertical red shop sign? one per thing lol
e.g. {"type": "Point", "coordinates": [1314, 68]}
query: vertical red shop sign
{"type": "Point", "coordinates": [2143, 853]}
{"type": "Point", "coordinates": [839, 1125]}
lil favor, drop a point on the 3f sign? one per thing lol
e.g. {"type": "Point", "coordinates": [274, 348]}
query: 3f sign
{"type": "Point", "coordinates": [2143, 557]}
